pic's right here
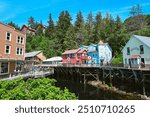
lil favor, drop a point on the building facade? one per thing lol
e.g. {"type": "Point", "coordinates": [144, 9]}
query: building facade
{"type": "Point", "coordinates": [12, 49]}
{"type": "Point", "coordinates": [28, 30]}
{"type": "Point", "coordinates": [77, 56]}
{"type": "Point", "coordinates": [136, 52]}
{"type": "Point", "coordinates": [104, 53]}
{"type": "Point", "coordinates": [93, 54]}
{"type": "Point", "coordinates": [99, 53]}
{"type": "Point", "coordinates": [36, 57]}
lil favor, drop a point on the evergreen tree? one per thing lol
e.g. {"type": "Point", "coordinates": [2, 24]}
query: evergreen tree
{"type": "Point", "coordinates": [79, 23]}
{"type": "Point", "coordinates": [138, 9]}
{"type": "Point", "coordinates": [63, 24]}
{"type": "Point", "coordinates": [50, 29]}
{"type": "Point", "coordinates": [90, 28]}
{"type": "Point", "coordinates": [14, 25]}
{"type": "Point", "coordinates": [80, 30]}
{"type": "Point", "coordinates": [97, 28]}
{"type": "Point", "coordinates": [70, 39]}
{"type": "Point", "coordinates": [133, 11]}
{"type": "Point", "coordinates": [39, 30]}
{"type": "Point", "coordinates": [31, 22]}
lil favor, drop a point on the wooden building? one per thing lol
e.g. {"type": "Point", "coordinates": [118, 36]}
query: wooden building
{"type": "Point", "coordinates": [100, 53]}
{"type": "Point", "coordinates": [12, 49]}
{"type": "Point", "coordinates": [36, 57]}
{"type": "Point", "coordinates": [28, 30]}
{"type": "Point", "coordinates": [76, 56]}
{"type": "Point", "coordinates": [136, 52]}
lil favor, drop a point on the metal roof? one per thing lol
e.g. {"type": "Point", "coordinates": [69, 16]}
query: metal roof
{"type": "Point", "coordinates": [143, 39]}
{"type": "Point", "coordinates": [57, 58]}
{"type": "Point", "coordinates": [71, 51]}
{"type": "Point", "coordinates": [32, 54]}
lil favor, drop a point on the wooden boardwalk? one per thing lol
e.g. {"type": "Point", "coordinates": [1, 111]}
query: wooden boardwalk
{"type": "Point", "coordinates": [30, 75]}
{"type": "Point", "coordinates": [109, 74]}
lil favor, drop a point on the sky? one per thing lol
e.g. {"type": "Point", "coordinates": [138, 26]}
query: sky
{"type": "Point", "coordinates": [19, 11]}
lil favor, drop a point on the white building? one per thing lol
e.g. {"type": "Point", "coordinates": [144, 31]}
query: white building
{"type": "Point", "coordinates": [54, 60]}
{"type": "Point", "coordinates": [136, 52]}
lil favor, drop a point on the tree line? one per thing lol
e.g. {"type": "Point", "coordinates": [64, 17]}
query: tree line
{"type": "Point", "coordinates": [64, 34]}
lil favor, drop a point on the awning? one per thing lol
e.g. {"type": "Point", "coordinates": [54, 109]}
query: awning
{"type": "Point", "coordinates": [136, 56]}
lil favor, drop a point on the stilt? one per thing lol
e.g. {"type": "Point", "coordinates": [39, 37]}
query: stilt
{"type": "Point", "coordinates": [110, 77]}
{"type": "Point", "coordinates": [103, 76]}
{"type": "Point", "coordinates": [143, 85]}
{"type": "Point", "coordinates": [85, 83]}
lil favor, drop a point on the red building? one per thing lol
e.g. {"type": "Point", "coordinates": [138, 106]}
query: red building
{"type": "Point", "coordinates": [77, 56]}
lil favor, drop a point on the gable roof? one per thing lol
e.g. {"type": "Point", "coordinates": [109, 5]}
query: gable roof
{"type": "Point", "coordinates": [32, 54]}
{"type": "Point", "coordinates": [71, 51]}
{"type": "Point", "coordinates": [145, 40]}
{"type": "Point", "coordinates": [28, 28]}
{"type": "Point", "coordinates": [75, 51]}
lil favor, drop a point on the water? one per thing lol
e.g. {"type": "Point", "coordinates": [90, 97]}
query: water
{"type": "Point", "coordinates": [84, 92]}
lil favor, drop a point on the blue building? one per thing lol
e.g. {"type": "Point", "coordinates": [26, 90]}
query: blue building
{"type": "Point", "coordinates": [93, 54]}
{"type": "Point", "coordinates": [100, 53]}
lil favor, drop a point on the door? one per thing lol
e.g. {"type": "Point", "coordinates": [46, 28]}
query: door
{"type": "Point", "coordinates": [130, 63]}
{"type": "Point", "coordinates": [142, 62]}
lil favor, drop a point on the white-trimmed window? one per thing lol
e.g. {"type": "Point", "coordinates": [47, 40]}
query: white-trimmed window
{"type": "Point", "coordinates": [8, 36]}
{"type": "Point", "coordinates": [19, 51]}
{"type": "Point", "coordinates": [20, 39]}
{"type": "Point", "coordinates": [7, 49]}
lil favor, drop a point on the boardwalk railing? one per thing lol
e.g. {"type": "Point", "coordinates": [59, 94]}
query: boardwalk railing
{"type": "Point", "coordinates": [36, 73]}
{"type": "Point", "coordinates": [80, 65]}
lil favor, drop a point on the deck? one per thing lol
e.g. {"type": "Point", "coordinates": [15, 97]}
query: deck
{"type": "Point", "coordinates": [35, 74]}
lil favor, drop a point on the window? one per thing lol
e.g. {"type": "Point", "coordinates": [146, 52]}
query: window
{"type": "Point", "coordinates": [128, 50]}
{"type": "Point", "coordinates": [7, 49]}
{"type": "Point", "coordinates": [19, 51]}
{"type": "Point", "coordinates": [68, 55]}
{"type": "Point", "coordinates": [8, 36]}
{"type": "Point", "coordinates": [20, 40]}
{"type": "Point", "coordinates": [141, 49]}
{"type": "Point", "coordinates": [79, 55]}
{"type": "Point", "coordinates": [73, 55]}
{"type": "Point", "coordinates": [4, 68]}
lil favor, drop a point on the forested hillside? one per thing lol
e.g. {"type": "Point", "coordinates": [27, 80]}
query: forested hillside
{"type": "Point", "coordinates": [66, 34]}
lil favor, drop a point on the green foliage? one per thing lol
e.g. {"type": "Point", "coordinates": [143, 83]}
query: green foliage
{"type": "Point", "coordinates": [35, 89]}
{"type": "Point", "coordinates": [64, 35]}
{"type": "Point", "coordinates": [118, 59]}
{"type": "Point", "coordinates": [13, 25]}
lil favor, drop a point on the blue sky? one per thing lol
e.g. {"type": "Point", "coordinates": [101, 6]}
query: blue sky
{"type": "Point", "coordinates": [19, 11]}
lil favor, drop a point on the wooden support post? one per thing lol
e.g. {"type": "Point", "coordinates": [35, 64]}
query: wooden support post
{"type": "Point", "coordinates": [85, 83]}
{"type": "Point", "coordinates": [143, 85]}
{"type": "Point", "coordinates": [110, 77]}
{"type": "Point", "coordinates": [103, 76]}
{"type": "Point", "coordinates": [98, 75]}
